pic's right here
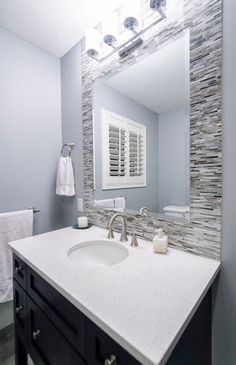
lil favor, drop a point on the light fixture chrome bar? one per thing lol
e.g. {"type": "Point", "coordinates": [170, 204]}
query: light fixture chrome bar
{"type": "Point", "coordinates": [128, 44]}
{"type": "Point", "coordinates": [131, 48]}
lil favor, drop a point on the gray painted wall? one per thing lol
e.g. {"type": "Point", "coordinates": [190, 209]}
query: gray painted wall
{"type": "Point", "coordinates": [224, 306]}
{"type": "Point", "coordinates": [6, 314]}
{"type": "Point", "coordinates": [30, 130]}
{"type": "Point", "coordinates": [72, 124]}
{"type": "Point", "coordinates": [106, 97]}
{"type": "Point", "coordinates": [30, 135]}
{"type": "Point", "coordinates": [174, 158]}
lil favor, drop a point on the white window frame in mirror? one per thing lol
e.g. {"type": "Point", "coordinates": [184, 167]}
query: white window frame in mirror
{"type": "Point", "coordinates": [127, 125]}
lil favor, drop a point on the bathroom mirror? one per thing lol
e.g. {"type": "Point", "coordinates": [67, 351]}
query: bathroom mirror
{"type": "Point", "coordinates": [201, 233]}
{"type": "Point", "coordinates": [142, 134]}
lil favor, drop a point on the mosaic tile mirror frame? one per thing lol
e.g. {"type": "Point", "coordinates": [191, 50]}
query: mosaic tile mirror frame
{"type": "Point", "coordinates": [202, 234]}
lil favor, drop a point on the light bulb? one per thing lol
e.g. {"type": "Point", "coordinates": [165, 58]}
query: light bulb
{"type": "Point", "coordinates": [157, 5]}
{"type": "Point", "coordinates": [131, 14]}
{"type": "Point", "coordinates": [92, 42]}
{"type": "Point", "coordinates": [110, 30]}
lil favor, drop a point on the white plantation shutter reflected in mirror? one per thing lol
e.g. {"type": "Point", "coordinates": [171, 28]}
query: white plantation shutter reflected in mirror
{"type": "Point", "coordinates": [135, 154]}
{"type": "Point", "coordinates": [124, 152]}
{"type": "Point", "coordinates": [116, 151]}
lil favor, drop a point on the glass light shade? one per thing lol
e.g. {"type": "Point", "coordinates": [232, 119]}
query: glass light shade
{"type": "Point", "coordinates": [110, 25]}
{"type": "Point", "coordinates": [157, 5]}
{"type": "Point", "coordinates": [131, 12]}
{"type": "Point", "coordinates": [92, 42]}
{"type": "Point", "coordinates": [110, 29]}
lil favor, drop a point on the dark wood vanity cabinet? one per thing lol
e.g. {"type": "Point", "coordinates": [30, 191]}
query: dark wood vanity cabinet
{"type": "Point", "coordinates": [54, 332]}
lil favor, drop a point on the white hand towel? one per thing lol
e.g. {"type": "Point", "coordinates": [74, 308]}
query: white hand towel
{"type": "Point", "coordinates": [120, 202]}
{"type": "Point", "coordinates": [65, 177]}
{"type": "Point", "coordinates": [177, 215]}
{"type": "Point", "coordinates": [13, 226]}
{"type": "Point", "coordinates": [176, 209]}
{"type": "Point", "coordinates": [106, 203]}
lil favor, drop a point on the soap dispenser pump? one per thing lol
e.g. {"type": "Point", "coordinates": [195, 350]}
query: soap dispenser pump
{"type": "Point", "coordinates": [160, 241]}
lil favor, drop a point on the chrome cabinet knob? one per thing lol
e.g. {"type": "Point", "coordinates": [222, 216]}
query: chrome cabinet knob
{"type": "Point", "coordinates": [112, 361]}
{"type": "Point", "coordinates": [36, 334]}
{"type": "Point", "coordinates": [18, 269]}
{"type": "Point", "coordinates": [19, 309]}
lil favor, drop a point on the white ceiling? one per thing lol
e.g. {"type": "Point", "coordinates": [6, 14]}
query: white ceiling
{"type": "Point", "coordinates": [160, 82]}
{"type": "Point", "coordinates": [53, 25]}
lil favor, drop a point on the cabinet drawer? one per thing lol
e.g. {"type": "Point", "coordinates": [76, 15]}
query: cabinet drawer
{"type": "Point", "coordinates": [64, 316]}
{"type": "Point", "coordinates": [100, 347]}
{"type": "Point", "coordinates": [46, 344]}
{"type": "Point", "coordinates": [19, 271]}
{"type": "Point", "coordinates": [20, 311]}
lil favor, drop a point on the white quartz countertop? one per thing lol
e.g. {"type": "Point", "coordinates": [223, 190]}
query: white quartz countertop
{"type": "Point", "coordinates": [144, 303]}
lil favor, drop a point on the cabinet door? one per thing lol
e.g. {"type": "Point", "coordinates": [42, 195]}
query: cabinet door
{"type": "Point", "coordinates": [20, 312]}
{"type": "Point", "coordinates": [19, 271]}
{"type": "Point", "coordinates": [101, 349]}
{"type": "Point", "coordinates": [46, 345]}
{"type": "Point", "coordinates": [64, 315]}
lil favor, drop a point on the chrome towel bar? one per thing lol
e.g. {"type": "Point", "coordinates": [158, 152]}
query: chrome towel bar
{"type": "Point", "coordinates": [34, 210]}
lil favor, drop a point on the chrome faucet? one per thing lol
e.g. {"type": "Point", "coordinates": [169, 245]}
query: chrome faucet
{"type": "Point", "coordinates": [123, 236]}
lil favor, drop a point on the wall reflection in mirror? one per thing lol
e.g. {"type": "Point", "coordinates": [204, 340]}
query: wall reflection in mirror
{"type": "Point", "coordinates": [141, 134]}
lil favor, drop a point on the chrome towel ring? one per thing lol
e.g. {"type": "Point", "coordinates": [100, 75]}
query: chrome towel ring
{"type": "Point", "coordinates": [70, 146]}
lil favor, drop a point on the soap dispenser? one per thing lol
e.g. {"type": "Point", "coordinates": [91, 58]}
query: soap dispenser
{"type": "Point", "coordinates": [160, 241]}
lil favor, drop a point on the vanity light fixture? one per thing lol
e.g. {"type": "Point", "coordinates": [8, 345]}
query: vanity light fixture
{"type": "Point", "coordinates": [131, 22]}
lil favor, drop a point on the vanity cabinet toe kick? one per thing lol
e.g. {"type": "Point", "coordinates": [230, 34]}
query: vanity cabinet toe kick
{"type": "Point", "coordinates": [54, 332]}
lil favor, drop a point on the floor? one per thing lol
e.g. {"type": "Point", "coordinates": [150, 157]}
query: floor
{"type": "Point", "coordinates": [11, 361]}
{"type": "Point", "coordinates": [7, 345]}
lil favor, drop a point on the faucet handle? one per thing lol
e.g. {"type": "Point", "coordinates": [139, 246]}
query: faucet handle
{"type": "Point", "coordinates": [110, 232]}
{"type": "Point", "coordinates": [134, 241]}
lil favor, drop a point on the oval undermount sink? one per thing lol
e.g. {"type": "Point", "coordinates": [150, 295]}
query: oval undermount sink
{"type": "Point", "coordinates": [91, 253]}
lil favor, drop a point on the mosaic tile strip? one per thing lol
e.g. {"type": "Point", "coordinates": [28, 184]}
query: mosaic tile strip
{"type": "Point", "coordinates": [202, 234]}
